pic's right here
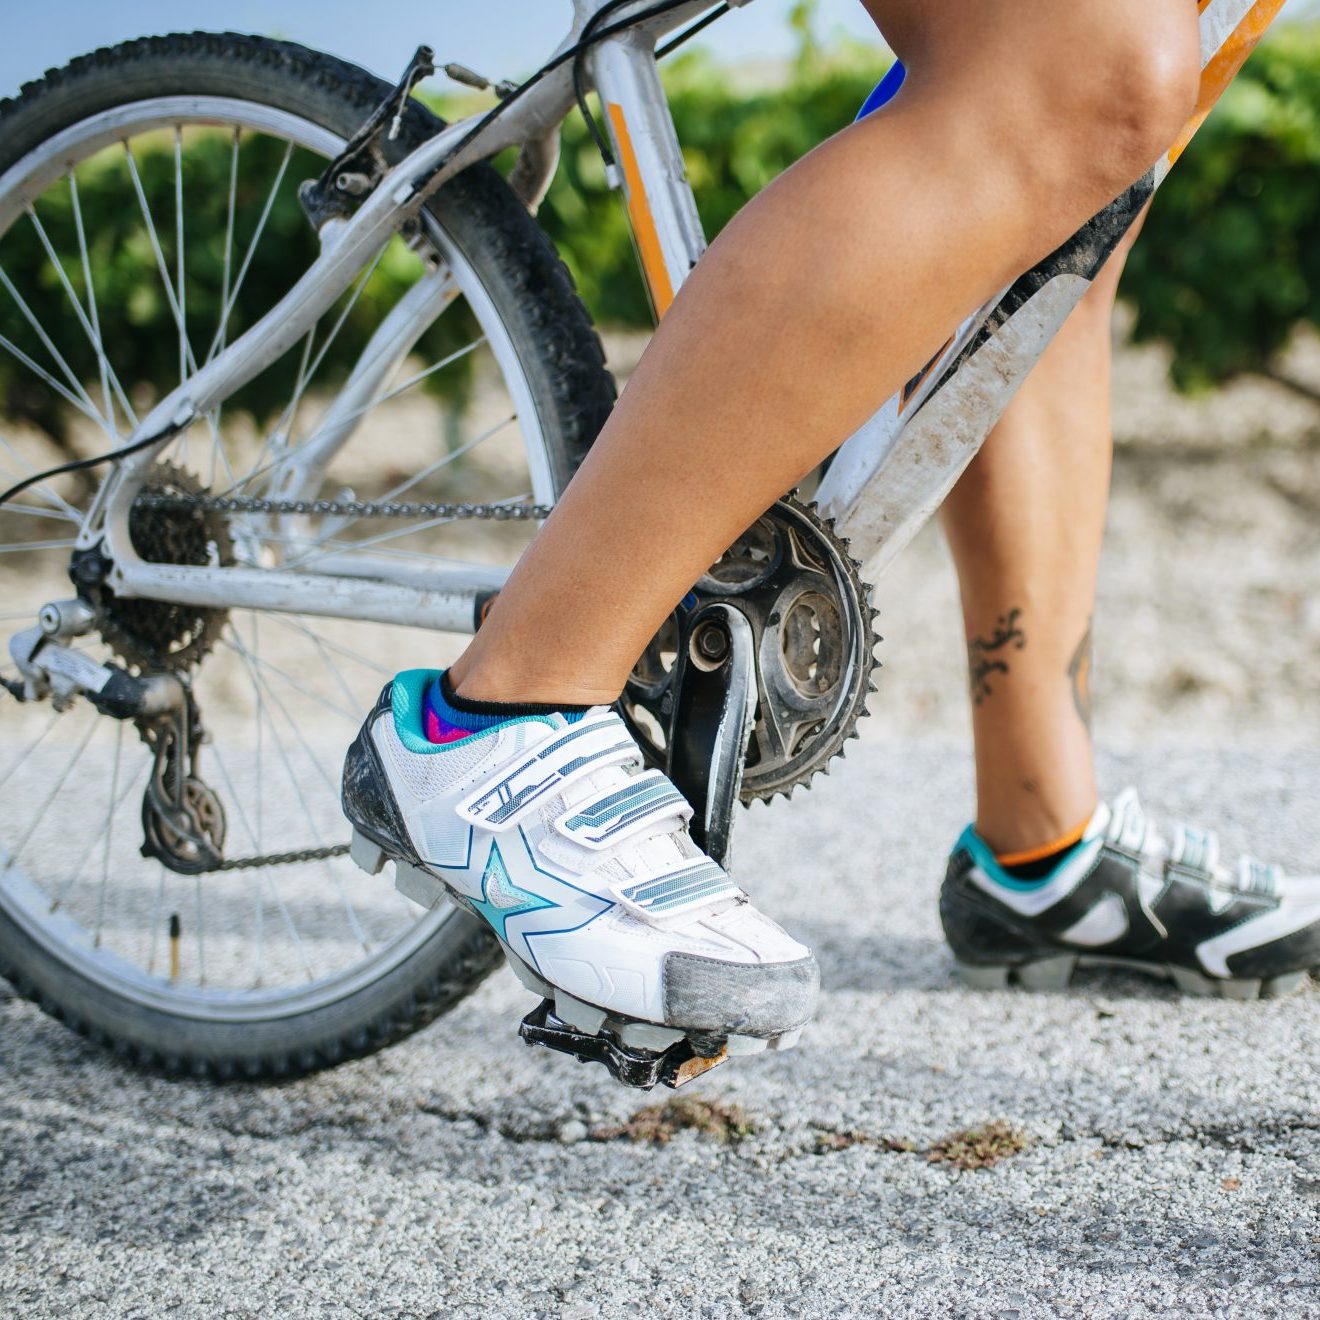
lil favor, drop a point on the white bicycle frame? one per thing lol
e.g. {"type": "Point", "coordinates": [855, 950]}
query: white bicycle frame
{"type": "Point", "coordinates": [883, 483]}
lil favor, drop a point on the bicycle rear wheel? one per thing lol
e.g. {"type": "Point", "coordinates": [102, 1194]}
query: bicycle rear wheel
{"type": "Point", "coordinates": [148, 213]}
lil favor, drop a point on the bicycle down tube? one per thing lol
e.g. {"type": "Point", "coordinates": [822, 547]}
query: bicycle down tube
{"type": "Point", "coordinates": [889, 478]}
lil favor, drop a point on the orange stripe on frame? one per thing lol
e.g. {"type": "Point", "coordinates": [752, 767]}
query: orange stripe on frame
{"type": "Point", "coordinates": [1221, 70]}
{"type": "Point", "coordinates": [639, 213]}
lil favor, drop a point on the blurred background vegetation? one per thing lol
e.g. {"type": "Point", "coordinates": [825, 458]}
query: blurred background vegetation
{"type": "Point", "coordinates": [1228, 265]}
{"type": "Point", "coordinates": [1227, 270]}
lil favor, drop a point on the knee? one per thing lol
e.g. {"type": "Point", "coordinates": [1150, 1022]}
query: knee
{"type": "Point", "coordinates": [1097, 108]}
{"type": "Point", "coordinates": [1155, 75]}
{"type": "Point", "coordinates": [1132, 98]}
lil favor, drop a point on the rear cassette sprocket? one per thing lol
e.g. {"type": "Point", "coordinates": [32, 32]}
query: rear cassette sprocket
{"type": "Point", "coordinates": [814, 643]}
{"type": "Point", "coordinates": [153, 634]}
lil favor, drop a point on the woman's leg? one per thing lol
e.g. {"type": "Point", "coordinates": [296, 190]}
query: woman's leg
{"type": "Point", "coordinates": [1019, 120]}
{"type": "Point", "coordinates": [1025, 524]}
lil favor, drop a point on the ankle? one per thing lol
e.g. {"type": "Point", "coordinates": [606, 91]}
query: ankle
{"type": "Point", "coordinates": [1034, 825]}
{"type": "Point", "coordinates": [488, 681]}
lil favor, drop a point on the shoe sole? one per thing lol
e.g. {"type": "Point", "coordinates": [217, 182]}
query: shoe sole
{"type": "Point", "coordinates": [1046, 974]}
{"type": "Point", "coordinates": [429, 892]}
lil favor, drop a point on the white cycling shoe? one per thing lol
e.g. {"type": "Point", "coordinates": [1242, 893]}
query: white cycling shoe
{"type": "Point", "coordinates": [548, 828]}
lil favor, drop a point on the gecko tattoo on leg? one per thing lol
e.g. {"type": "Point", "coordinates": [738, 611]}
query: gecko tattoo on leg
{"type": "Point", "coordinates": [984, 654]}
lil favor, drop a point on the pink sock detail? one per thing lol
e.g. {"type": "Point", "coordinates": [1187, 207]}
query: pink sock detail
{"type": "Point", "coordinates": [439, 730]}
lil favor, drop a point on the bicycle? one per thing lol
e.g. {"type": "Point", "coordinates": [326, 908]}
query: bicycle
{"type": "Point", "coordinates": [180, 903]}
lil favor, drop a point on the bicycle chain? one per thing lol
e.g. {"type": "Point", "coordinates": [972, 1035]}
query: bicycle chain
{"type": "Point", "coordinates": [343, 508]}
{"type": "Point", "coordinates": [279, 859]}
{"type": "Point", "coordinates": [329, 509]}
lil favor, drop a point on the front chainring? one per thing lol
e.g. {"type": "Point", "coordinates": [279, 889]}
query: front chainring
{"type": "Point", "coordinates": [814, 648]}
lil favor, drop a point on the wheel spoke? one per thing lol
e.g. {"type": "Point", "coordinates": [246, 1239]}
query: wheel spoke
{"type": "Point", "coordinates": [394, 534]}
{"type": "Point", "coordinates": [226, 268]}
{"type": "Point", "coordinates": [86, 405]}
{"type": "Point", "coordinates": [33, 511]}
{"type": "Point", "coordinates": [277, 437]}
{"type": "Point", "coordinates": [227, 306]}
{"type": "Point", "coordinates": [299, 623]}
{"type": "Point", "coordinates": [456, 356]}
{"type": "Point", "coordinates": [89, 284]}
{"type": "Point", "coordinates": [335, 672]}
{"type": "Point", "coordinates": [316, 543]}
{"type": "Point", "coordinates": [22, 758]}
{"type": "Point", "coordinates": [76, 873]}
{"type": "Point", "coordinates": [107, 836]}
{"type": "Point", "coordinates": [185, 353]}
{"type": "Point", "coordinates": [77, 397]}
{"type": "Point", "coordinates": [90, 328]}
{"type": "Point", "coordinates": [39, 815]}
{"type": "Point", "coordinates": [16, 547]}
{"type": "Point", "coordinates": [264, 720]}
{"type": "Point", "coordinates": [154, 923]}
{"type": "Point", "coordinates": [200, 924]}
{"type": "Point", "coordinates": [186, 360]}
{"type": "Point", "coordinates": [237, 647]}
{"type": "Point", "coordinates": [296, 785]}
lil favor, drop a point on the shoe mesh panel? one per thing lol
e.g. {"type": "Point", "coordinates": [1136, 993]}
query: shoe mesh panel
{"type": "Point", "coordinates": [427, 776]}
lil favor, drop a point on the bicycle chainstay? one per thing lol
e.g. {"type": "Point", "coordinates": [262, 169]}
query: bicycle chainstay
{"type": "Point", "coordinates": [329, 508]}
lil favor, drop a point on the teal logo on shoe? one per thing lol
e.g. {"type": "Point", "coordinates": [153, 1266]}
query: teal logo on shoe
{"type": "Point", "coordinates": [501, 898]}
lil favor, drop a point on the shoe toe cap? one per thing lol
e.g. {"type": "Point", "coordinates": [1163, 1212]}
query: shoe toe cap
{"type": "Point", "coordinates": [739, 998]}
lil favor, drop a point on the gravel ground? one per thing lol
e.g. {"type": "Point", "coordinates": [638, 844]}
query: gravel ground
{"type": "Point", "coordinates": [1172, 1156]}
{"type": "Point", "coordinates": [1172, 1164]}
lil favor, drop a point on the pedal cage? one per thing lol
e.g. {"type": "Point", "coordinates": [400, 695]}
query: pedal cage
{"type": "Point", "coordinates": [639, 1068]}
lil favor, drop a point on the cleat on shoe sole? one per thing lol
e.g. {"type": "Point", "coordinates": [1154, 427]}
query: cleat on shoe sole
{"type": "Point", "coordinates": [1243, 988]}
{"type": "Point", "coordinates": [369, 856]}
{"type": "Point", "coordinates": [1048, 973]}
{"type": "Point", "coordinates": [1276, 987]}
{"type": "Point", "coordinates": [420, 886]}
{"type": "Point", "coordinates": [1193, 983]}
{"type": "Point", "coordinates": [640, 1068]}
{"type": "Point", "coordinates": [576, 1014]}
{"type": "Point", "coordinates": [983, 978]}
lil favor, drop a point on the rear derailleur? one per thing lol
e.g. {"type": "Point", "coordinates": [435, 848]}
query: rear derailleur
{"type": "Point", "coordinates": [183, 822]}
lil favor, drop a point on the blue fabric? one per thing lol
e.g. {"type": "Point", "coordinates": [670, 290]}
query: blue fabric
{"type": "Point", "coordinates": [885, 90]}
{"type": "Point", "coordinates": [408, 698]}
{"type": "Point", "coordinates": [460, 719]}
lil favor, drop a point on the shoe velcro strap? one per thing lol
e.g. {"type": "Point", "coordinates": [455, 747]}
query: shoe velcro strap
{"type": "Point", "coordinates": [619, 813]}
{"type": "Point", "coordinates": [591, 744]}
{"type": "Point", "coordinates": [1261, 878]}
{"type": "Point", "coordinates": [1194, 850]}
{"type": "Point", "coordinates": [676, 890]}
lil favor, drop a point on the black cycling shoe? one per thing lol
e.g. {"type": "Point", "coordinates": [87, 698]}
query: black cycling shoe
{"type": "Point", "coordinates": [1126, 896]}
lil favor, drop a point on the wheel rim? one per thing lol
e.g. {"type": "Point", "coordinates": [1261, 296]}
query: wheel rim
{"type": "Point", "coordinates": [243, 953]}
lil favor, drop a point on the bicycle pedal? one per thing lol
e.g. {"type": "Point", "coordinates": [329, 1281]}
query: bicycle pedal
{"type": "Point", "coordinates": [673, 1067]}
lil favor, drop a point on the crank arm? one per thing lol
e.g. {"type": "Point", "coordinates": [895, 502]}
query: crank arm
{"type": "Point", "coordinates": [715, 687]}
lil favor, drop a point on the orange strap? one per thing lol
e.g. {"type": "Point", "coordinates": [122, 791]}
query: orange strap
{"type": "Point", "coordinates": [1029, 855]}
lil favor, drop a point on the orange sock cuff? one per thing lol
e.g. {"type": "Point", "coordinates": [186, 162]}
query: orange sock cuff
{"type": "Point", "coordinates": [1029, 855]}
